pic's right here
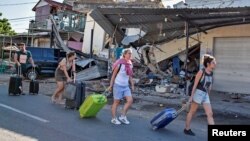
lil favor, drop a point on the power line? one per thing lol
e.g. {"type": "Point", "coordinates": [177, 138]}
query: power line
{"type": "Point", "coordinates": [21, 18]}
{"type": "Point", "coordinates": [14, 4]}
{"type": "Point", "coordinates": [19, 21]}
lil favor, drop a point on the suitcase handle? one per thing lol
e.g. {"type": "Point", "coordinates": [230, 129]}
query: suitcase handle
{"type": "Point", "coordinates": [19, 70]}
{"type": "Point", "coordinates": [33, 69]}
{"type": "Point", "coordinates": [74, 77]}
{"type": "Point", "coordinates": [182, 109]}
{"type": "Point", "coordinates": [106, 92]}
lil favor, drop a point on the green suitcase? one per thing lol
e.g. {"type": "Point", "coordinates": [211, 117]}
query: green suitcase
{"type": "Point", "coordinates": [92, 105]}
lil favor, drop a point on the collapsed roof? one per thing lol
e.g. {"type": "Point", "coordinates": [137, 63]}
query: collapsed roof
{"type": "Point", "coordinates": [164, 25]}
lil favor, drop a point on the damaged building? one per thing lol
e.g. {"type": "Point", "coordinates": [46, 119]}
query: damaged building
{"type": "Point", "coordinates": [171, 33]}
{"type": "Point", "coordinates": [167, 44]}
{"type": "Point", "coordinates": [70, 25]}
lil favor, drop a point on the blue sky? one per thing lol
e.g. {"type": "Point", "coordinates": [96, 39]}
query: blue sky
{"type": "Point", "coordinates": [19, 11]}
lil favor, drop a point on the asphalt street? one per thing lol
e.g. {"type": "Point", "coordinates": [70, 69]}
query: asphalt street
{"type": "Point", "coordinates": [35, 118]}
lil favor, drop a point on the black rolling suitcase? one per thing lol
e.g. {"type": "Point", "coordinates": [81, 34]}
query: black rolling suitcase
{"type": "Point", "coordinates": [74, 94]}
{"type": "Point", "coordinates": [15, 84]}
{"type": "Point", "coordinates": [34, 85]}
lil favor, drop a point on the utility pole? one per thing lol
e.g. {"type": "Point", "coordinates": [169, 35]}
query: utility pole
{"type": "Point", "coordinates": [91, 43]}
{"type": "Point", "coordinates": [32, 22]}
{"type": "Point", "coordinates": [187, 45]}
{"type": "Point", "coordinates": [51, 36]}
{"type": "Point", "coordinates": [2, 51]}
{"type": "Point", "coordinates": [10, 48]}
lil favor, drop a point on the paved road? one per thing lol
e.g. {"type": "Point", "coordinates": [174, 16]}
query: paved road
{"type": "Point", "coordinates": [32, 118]}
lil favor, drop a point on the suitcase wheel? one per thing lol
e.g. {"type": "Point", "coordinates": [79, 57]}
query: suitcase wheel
{"type": "Point", "coordinates": [154, 128]}
{"type": "Point", "coordinates": [11, 94]}
{"type": "Point", "coordinates": [67, 107]}
{"type": "Point", "coordinates": [33, 93]}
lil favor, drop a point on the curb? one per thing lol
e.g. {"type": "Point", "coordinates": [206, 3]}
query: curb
{"type": "Point", "coordinates": [218, 107]}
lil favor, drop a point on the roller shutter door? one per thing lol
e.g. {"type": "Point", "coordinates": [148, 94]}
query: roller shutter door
{"type": "Point", "coordinates": [232, 73]}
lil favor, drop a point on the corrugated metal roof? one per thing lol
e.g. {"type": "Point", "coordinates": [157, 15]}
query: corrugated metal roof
{"type": "Point", "coordinates": [54, 3]}
{"type": "Point", "coordinates": [163, 25]}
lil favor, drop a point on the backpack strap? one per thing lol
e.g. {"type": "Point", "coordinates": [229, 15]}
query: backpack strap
{"type": "Point", "coordinates": [192, 83]}
{"type": "Point", "coordinates": [203, 72]}
{"type": "Point", "coordinates": [120, 65]}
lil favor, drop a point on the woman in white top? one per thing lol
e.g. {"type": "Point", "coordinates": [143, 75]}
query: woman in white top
{"type": "Point", "coordinates": [122, 75]}
{"type": "Point", "coordinates": [62, 76]}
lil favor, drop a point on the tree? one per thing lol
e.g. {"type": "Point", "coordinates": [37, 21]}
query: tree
{"type": "Point", "coordinates": [5, 27]}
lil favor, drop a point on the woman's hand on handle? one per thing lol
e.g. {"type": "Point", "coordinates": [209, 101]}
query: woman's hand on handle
{"type": "Point", "coordinates": [190, 99]}
{"type": "Point", "coordinates": [109, 88]}
{"type": "Point", "coordinates": [133, 88]}
{"type": "Point", "coordinates": [69, 79]}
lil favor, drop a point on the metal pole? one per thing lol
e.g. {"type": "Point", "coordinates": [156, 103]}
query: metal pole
{"type": "Point", "coordinates": [109, 62]}
{"type": "Point", "coordinates": [91, 43]}
{"type": "Point", "coordinates": [187, 45]}
{"type": "Point", "coordinates": [27, 40]}
{"type": "Point", "coordinates": [32, 37]}
{"type": "Point", "coordinates": [51, 37]}
{"type": "Point", "coordinates": [2, 51]}
{"type": "Point", "coordinates": [10, 48]}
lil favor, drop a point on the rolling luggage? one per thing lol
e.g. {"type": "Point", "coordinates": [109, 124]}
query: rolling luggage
{"type": "Point", "coordinates": [74, 94]}
{"type": "Point", "coordinates": [92, 105]}
{"type": "Point", "coordinates": [165, 117]}
{"type": "Point", "coordinates": [34, 87]}
{"type": "Point", "coordinates": [15, 84]}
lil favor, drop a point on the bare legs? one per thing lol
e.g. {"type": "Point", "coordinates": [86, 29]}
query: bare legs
{"type": "Point", "coordinates": [58, 92]}
{"type": "Point", "coordinates": [129, 101]}
{"type": "Point", "coordinates": [114, 107]}
{"type": "Point", "coordinates": [208, 110]}
{"type": "Point", "coordinates": [191, 113]}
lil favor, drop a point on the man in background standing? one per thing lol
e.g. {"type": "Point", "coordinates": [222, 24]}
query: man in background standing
{"type": "Point", "coordinates": [22, 58]}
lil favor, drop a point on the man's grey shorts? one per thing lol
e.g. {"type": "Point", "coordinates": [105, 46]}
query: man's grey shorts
{"type": "Point", "coordinates": [201, 97]}
{"type": "Point", "coordinates": [121, 91]}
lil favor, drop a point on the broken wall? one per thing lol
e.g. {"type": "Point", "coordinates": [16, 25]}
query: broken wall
{"type": "Point", "coordinates": [98, 37]}
{"type": "Point", "coordinates": [179, 45]}
{"type": "Point", "coordinates": [224, 74]}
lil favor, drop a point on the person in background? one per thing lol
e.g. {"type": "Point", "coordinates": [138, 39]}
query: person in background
{"type": "Point", "coordinates": [122, 75]}
{"type": "Point", "coordinates": [200, 93]}
{"type": "Point", "coordinates": [118, 52]}
{"type": "Point", "coordinates": [62, 75]}
{"type": "Point", "coordinates": [22, 58]}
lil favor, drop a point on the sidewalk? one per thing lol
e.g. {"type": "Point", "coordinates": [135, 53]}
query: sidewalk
{"type": "Point", "coordinates": [221, 103]}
